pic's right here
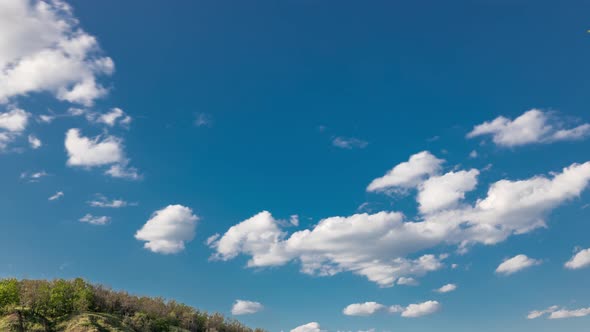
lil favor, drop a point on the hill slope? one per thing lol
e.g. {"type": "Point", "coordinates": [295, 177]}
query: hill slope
{"type": "Point", "coordinates": [77, 306]}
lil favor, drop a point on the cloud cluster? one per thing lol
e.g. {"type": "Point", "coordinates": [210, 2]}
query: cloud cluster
{"type": "Point", "coordinates": [410, 311]}
{"type": "Point", "coordinates": [168, 229]}
{"type": "Point", "coordinates": [383, 246]}
{"type": "Point", "coordinates": [43, 49]}
{"type": "Point", "coordinates": [554, 312]}
{"type": "Point", "coordinates": [103, 202]}
{"type": "Point", "coordinates": [534, 126]}
{"type": "Point", "coordinates": [516, 264]}
{"type": "Point", "coordinates": [242, 307]}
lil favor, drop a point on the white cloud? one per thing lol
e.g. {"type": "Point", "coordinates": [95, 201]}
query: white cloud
{"type": "Point", "coordinates": [383, 246]}
{"type": "Point", "coordinates": [445, 191]}
{"type": "Point", "coordinates": [564, 313]}
{"type": "Point", "coordinates": [362, 309]}
{"type": "Point", "coordinates": [99, 151]}
{"type": "Point", "coordinates": [43, 49]}
{"type": "Point", "coordinates": [309, 327]}
{"type": "Point", "coordinates": [116, 115]}
{"type": "Point", "coordinates": [34, 142]}
{"type": "Point", "coordinates": [538, 313]}
{"type": "Point", "coordinates": [203, 120]}
{"type": "Point", "coordinates": [579, 260]}
{"type": "Point", "coordinates": [446, 288]}
{"type": "Point", "coordinates": [407, 281]}
{"type": "Point", "coordinates": [90, 152]}
{"type": "Point", "coordinates": [408, 174]}
{"type": "Point", "coordinates": [242, 307]}
{"type": "Point", "coordinates": [473, 154]}
{"type": "Point", "coordinates": [515, 264]}
{"type": "Point", "coordinates": [534, 126]}
{"type": "Point", "coordinates": [95, 220]}
{"type": "Point", "coordinates": [421, 309]}
{"type": "Point", "coordinates": [57, 196]}
{"type": "Point", "coordinates": [15, 120]}
{"type": "Point", "coordinates": [12, 124]}
{"type": "Point", "coordinates": [349, 143]}
{"type": "Point", "coordinates": [33, 176]}
{"type": "Point", "coordinates": [168, 229]}
{"type": "Point", "coordinates": [103, 202]}
{"type": "Point", "coordinates": [554, 312]}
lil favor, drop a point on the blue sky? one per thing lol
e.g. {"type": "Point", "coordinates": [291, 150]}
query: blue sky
{"type": "Point", "coordinates": [331, 164]}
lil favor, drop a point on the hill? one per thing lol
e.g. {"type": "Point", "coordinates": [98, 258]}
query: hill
{"type": "Point", "coordinates": [78, 306]}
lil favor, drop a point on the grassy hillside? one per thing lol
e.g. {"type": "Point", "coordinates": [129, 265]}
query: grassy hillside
{"type": "Point", "coordinates": [77, 306]}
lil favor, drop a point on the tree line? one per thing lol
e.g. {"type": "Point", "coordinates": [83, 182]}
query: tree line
{"type": "Point", "coordinates": [49, 302]}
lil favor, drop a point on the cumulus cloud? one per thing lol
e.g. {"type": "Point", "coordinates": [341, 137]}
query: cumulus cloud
{"type": "Point", "coordinates": [421, 309]}
{"type": "Point", "coordinates": [309, 327]}
{"type": "Point", "coordinates": [115, 116]}
{"type": "Point", "coordinates": [242, 307]}
{"type": "Point", "coordinates": [554, 312]}
{"type": "Point", "coordinates": [408, 174]}
{"type": "Point", "coordinates": [579, 260]}
{"type": "Point", "coordinates": [168, 229]}
{"type": "Point", "coordinates": [12, 124]}
{"type": "Point", "coordinates": [446, 288]}
{"type": "Point", "coordinates": [95, 220]}
{"type": "Point", "coordinates": [43, 49]}
{"type": "Point", "coordinates": [349, 143]}
{"type": "Point", "coordinates": [99, 151]}
{"type": "Point", "coordinates": [534, 126]}
{"type": "Point", "coordinates": [362, 309]}
{"type": "Point", "coordinates": [56, 196]}
{"type": "Point", "coordinates": [410, 311]}
{"type": "Point", "coordinates": [515, 264]}
{"type": "Point", "coordinates": [89, 152]}
{"type": "Point", "coordinates": [445, 191]}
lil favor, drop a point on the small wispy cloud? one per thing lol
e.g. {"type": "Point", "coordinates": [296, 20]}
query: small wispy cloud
{"type": "Point", "coordinates": [349, 143]}
{"type": "Point", "coordinates": [57, 196]}
{"type": "Point", "coordinates": [95, 220]}
{"type": "Point", "coordinates": [203, 120]}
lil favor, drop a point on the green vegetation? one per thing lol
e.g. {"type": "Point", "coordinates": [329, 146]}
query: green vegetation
{"type": "Point", "coordinates": [77, 306]}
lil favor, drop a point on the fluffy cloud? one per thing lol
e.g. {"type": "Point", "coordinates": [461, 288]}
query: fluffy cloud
{"type": "Point", "coordinates": [116, 115]}
{"type": "Point", "coordinates": [410, 311]}
{"type": "Point", "coordinates": [34, 142]}
{"type": "Point", "coordinates": [309, 327]}
{"type": "Point", "coordinates": [421, 309]}
{"type": "Point", "coordinates": [99, 151]}
{"type": "Point", "coordinates": [446, 288]}
{"type": "Point", "coordinates": [382, 246]}
{"type": "Point", "coordinates": [90, 152]}
{"type": "Point", "coordinates": [407, 281]}
{"type": "Point", "coordinates": [43, 49]}
{"type": "Point", "coordinates": [168, 229]}
{"type": "Point", "coordinates": [441, 192]}
{"type": "Point", "coordinates": [515, 264]}
{"type": "Point", "coordinates": [408, 174]}
{"type": "Point", "coordinates": [242, 307]}
{"type": "Point", "coordinates": [580, 260]}
{"type": "Point", "coordinates": [555, 313]}
{"type": "Point", "coordinates": [349, 143]}
{"type": "Point", "coordinates": [534, 126]}
{"type": "Point", "coordinates": [362, 309]}
{"type": "Point", "coordinates": [95, 220]}
{"type": "Point", "coordinates": [12, 124]}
